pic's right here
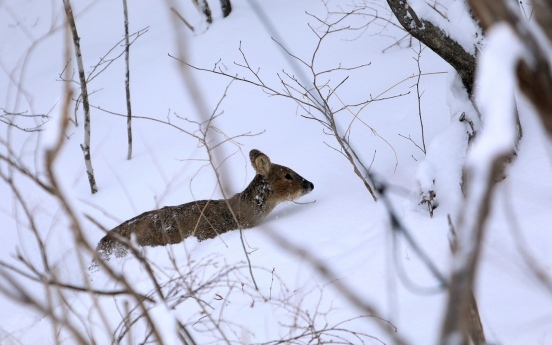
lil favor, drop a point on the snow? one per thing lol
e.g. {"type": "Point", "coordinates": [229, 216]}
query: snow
{"type": "Point", "coordinates": [495, 95]}
{"type": "Point", "coordinates": [345, 229]}
{"type": "Point", "coordinates": [496, 82]}
{"type": "Point", "coordinates": [451, 146]}
{"type": "Point", "coordinates": [454, 18]}
{"type": "Point", "coordinates": [165, 323]}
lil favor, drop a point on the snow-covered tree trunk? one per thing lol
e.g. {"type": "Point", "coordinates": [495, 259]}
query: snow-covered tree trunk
{"type": "Point", "coordinates": [515, 56]}
{"type": "Point", "coordinates": [84, 94]}
{"type": "Point", "coordinates": [485, 161]}
{"type": "Point", "coordinates": [534, 74]}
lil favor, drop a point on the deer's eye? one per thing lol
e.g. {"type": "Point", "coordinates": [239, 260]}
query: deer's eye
{"type": "Point", "coordinates": [288, 177]}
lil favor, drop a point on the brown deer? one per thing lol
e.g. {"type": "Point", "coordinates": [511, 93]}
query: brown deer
{"type": "Point", "coordinates": [206, 219]}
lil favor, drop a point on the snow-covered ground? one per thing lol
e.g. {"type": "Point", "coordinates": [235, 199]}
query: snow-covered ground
{"type": "Point", "coordinates": [344, 228]}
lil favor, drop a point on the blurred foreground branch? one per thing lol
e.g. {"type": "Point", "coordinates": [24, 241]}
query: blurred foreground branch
{"type": "Point", "coordinates": [533, 70]}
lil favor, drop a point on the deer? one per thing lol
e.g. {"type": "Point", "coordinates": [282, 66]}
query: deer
{"type": "Point", "coordinates": [206, 219]}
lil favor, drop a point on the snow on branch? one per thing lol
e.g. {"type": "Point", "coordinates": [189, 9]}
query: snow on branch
{"type": "Point", "coordinates": [495, 96]}
{"type": "Point", "coordinates": [485, 161]}
{"type": "Point", "coordinates": [533, 69]}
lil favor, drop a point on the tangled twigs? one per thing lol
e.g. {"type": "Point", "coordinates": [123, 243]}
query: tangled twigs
{"type": "Point", "coordinates": [310, 94]}
{"type": "Point", "coordinates": [343, 288]}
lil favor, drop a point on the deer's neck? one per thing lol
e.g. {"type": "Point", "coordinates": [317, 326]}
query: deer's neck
{"type": "Point", "coordinates": [254, 203]}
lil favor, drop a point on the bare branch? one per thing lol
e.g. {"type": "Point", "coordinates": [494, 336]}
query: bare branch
{"type": "Point", "coordinates": [86, 145]}
{"type": "Point", "coordinates": [437, 40]}
{"type": "Point", "coordinates": [7, 118]}
{"type": "Point", "coordinates": [127, 82]}
{"type": "Point", "coordinates": [182, 19]}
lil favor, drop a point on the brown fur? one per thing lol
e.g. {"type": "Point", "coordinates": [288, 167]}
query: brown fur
{"type": "Point", "coordinates": [206, 219]}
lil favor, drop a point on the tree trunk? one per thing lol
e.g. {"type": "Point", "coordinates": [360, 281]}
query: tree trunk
{"type": "Point", "coordinates": [204, 8]}
{"type": "Point", "coordinates": [127, 83]}
{"type": "Point", "coordinates": [437, 40]}
{"type": "Point", "coordinates": [84, 92]}
{"type": "Point", "coordinates": [226, 7]}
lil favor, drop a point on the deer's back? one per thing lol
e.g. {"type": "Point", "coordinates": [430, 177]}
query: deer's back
{"type": "Point", "coordinates": [203, 219]}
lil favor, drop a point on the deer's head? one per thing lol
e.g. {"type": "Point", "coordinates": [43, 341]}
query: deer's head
{"type": "Point", "coordinates": [285, 184]}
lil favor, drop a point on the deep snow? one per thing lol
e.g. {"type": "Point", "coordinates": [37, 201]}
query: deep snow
{"type": "Point", "coordinates": [344, 228]}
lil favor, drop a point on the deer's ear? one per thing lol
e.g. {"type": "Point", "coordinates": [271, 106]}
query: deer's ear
{"type": "Point", "coordinates": [260, 161]}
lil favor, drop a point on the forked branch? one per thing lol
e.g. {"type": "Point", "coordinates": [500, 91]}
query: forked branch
{"type": "Point", "coordinates": [309, 94]}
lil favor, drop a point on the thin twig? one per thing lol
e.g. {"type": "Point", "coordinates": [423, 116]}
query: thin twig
{"type": "Point", "coordinates": [127, 82]}
{"type": "Point", "coordinates": [182, 19]}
